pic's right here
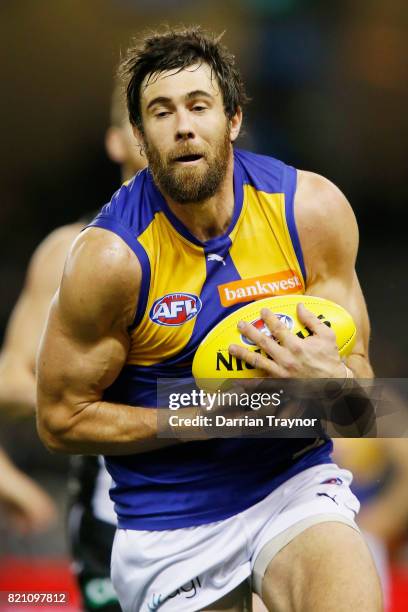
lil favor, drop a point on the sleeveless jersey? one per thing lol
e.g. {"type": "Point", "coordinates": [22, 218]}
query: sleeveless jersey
{"type": "Point", "coordinates": [187, 287]}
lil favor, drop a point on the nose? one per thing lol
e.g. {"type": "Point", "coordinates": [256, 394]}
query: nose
{"type": "Point", "coordinates": [184, 127]}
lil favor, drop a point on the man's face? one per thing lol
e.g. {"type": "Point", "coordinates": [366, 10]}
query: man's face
{"type": "Point", "coordinates": [186, 133]}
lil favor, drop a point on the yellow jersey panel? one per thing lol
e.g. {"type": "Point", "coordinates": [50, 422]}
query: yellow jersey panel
{"type": "Point", "coordinates": [179, 270]}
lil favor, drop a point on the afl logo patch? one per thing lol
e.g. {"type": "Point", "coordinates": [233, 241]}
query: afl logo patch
{"type": "Point", "coordinates": [260, 325]}
{"type": "Point", "coordinates": [175, 309]}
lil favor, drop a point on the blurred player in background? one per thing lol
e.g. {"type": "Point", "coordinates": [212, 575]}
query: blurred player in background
{"type": "Point", "coordinates": [91, 518]}
{"type": "Point", "coordinates": [380, 470]}
{"type": "Point", "coordinates": [196, 520]}
{"type": "Point", "coordinates": [25, 506]}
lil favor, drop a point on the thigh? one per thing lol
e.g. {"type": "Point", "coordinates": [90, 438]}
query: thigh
{"type": "Point", "coordinates": [181, 570]}
{"type": "Point", "coordinates": [326, 568]}
{"type": "Point", "coordinates": [238, 600]}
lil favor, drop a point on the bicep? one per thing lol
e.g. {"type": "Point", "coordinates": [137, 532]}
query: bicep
{"type": "Point", "coordinates": [86, 341]}
{"type": "Point", "coordinates": [75, 366]}
{"type": "Point", "coordinates": [329, 237]}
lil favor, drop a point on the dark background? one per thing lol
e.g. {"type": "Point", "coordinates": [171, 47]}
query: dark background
{"type": "Point", "coordinates": [329, 86]}
{"type": "Point", "coordinates": [330, 91]}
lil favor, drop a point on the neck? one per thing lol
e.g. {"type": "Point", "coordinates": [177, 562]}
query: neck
{"type": "Point", "coordinates": [128, 171]}
{"type": "Point", "coordinates": [209, 218]}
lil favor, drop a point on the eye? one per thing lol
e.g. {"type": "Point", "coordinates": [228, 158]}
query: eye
{"type": "Point", "coordinates": [199, 108]}
{"type": "Point", "coordinates": [162, 114]}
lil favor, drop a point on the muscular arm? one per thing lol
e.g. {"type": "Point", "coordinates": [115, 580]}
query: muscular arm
{"type": "Point", "coordinates": [329, 237]}
{"type": "Point", "coordinates": [84, 349]}
{"type": "Point", "coordinates": [17, 358]}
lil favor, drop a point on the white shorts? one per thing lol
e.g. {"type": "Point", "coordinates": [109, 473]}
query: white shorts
{"type": "Point", "coordinates": [187, 569]}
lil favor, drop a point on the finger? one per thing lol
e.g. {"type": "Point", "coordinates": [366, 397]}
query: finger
{"type": "Point", "coordinates": [310, 320]}
{"type": "Point", "coordinates": [278, 329]}
{"type": "Point", "coordinates": [254, 359]}
{"type": "Point", "coordinates": [268, 344]}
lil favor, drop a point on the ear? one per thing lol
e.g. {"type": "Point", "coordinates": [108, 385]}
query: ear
{"type": "Point", "coordinates": [235, 123]}
{"type": "Point", "coordinates": [115, 145]}
{"type": "Point", "coordinates": [138, 135]}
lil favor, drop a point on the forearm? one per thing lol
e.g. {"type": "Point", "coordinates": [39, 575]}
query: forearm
{"type": "Point", "coordinates": [360, 366]}
{"type": "Point", "coordinates": [8, 474]}
{"type": "Point", "coordinates": [6, 467]}
{"type": "Point", "coordinates": [100, 428]}
{"type": "Point", "coordinates": [17, 389]}
{"type": "Point", "coordinates": [353, 412]}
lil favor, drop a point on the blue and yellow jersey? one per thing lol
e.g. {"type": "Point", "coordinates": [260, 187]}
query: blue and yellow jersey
{"type": "Point", "coordinates": [187, 287]}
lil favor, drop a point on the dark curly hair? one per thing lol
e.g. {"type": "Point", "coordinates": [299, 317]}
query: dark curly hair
{"type": "Point", "coordinates": [177, 49]}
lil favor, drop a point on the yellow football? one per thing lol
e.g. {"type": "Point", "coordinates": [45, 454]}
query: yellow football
{"type": "Point", "coordinates": [213, 361]}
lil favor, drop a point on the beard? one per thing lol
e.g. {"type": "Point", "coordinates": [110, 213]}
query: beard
{"type": "Point", "coordinates": [190, 184]}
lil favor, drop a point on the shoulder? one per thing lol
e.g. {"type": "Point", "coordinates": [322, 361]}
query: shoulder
{"type": "Point", "coordinates": [101, 279]}
{"type": "Point", "coordinates": [320, 203]}
{"type": "Point", "coordinates": [47, 262]}
{"type": "Point", "coordinates": [325, 221]}
{"type": "Point", "coordinates": [102, 253]}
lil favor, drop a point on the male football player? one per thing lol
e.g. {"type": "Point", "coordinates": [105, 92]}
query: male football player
{"type": "Point", "coordinates": [198, 519]}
